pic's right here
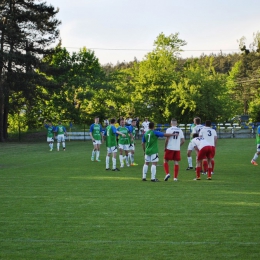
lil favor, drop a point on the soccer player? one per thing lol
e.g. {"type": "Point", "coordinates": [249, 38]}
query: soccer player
{"type": "Point", "coordinates": [210, 135]}
{"type": "Point", "coordinates": [195, 130]}
{"type": "Point", "coordinates": [150, 147]}
{"type": "Point", "coordinates": [97, 138]}
{"type": "Point", "coordinates": [132, 142]}
{"type": "Point", "coordinates": [61, 133]}
{"type": "Point", "coordinates": [50, 133]}
{"type": "Point", "coordinates": [204, 150]}
{"type": "Point", "coordinates": [123, 143]}
{"type": "Point", "coordinates": [253, 161]}
{"type": "Point", "coordinates": [190, 148]}
{"type": "Point", "coordinates": [172, 149]}
{"type": "Point", "coordinates": [111, 144]}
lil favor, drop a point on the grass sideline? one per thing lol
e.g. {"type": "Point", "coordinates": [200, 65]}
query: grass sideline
{"type": "Point", "coordinates": [60, 205]}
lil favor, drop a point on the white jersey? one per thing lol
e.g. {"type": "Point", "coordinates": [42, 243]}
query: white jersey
{"type": "Point", "coordinates": [208, 134]}
{"type": "Point", "coordinates": [145, 125]}
{"type": "Point", "coordinates": [196, 129]}
{"type": "Point", "coordinates": [174, 142]}
{"type": "Point", "coordinates": [200, 142]}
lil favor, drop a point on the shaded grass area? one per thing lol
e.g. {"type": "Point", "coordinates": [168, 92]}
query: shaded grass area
{"type": "Point", "coordinates": [60, 205]}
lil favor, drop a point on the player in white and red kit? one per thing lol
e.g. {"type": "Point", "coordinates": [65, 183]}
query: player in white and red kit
{"type": "Point", "coordinates": [172, 149]}
{"type": "Point", "coordinates": [204, 150]}
{"type": "Point", "coordinates": [210, 135]}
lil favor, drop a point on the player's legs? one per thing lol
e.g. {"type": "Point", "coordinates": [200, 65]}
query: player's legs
{"type": "Point", "coordinates": [209, 168]}
{"type": "Point", "coordinates": [212, 165]}
{"type": "Point", "coordinates": [114, 151]}
{"type": "Point", "coordinates": [121, 156]}
{"type": "Point", "coordinates": [253, 161]}
{"type": "Point", "coordinates": [205, 165]}
{"type": "Point", "coordinates": [98, 151]}
{"type": "Point", "coordinates": [63, 142]}
{"type": "Point", "coordinates": [167, 158]}
{"type": "Point", "coordinates": [131, 154]}
{"type": "Point", "coordinates": [176, 157]}
{"type": "Point", "coordinates": [50, 142]}
{"type": "Point", "coordinates": [94, 150]}
{"type": "Point", "coordinates": [58, 142]}
{"type": "Point", "coordinates": [109, 152]}
{"type": "Point", "coordinates": [126, 157]}
{"type": "Point", "coordinates": [189, 158]}
{"type": "Point", "coordinates": [114, 161]}
{"type": "Point", "coordinates": [145, 169]}
{"type": "Point", "coordinates": [198, 168]}
{"type": "Point", "coordinates": [154, 160]}
{"type": "Point", "coordinates": [153, 172]}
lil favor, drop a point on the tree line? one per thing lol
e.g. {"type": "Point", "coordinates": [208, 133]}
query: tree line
{"type": "Point", "coordinates": [38, 81]}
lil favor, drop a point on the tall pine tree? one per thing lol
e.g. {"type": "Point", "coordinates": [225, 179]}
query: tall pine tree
{"type": "Point", "coordinates": [28, 28]}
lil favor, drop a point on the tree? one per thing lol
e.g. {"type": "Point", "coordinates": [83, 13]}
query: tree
{"type": "Point", "coordinates": [153, 76]}
{"type": "Point", "coordinates": [202, 92]}
{"type": "Point", "coordinates": [77, 76]}
{"type": "Point", "coordinates": [27, 30]}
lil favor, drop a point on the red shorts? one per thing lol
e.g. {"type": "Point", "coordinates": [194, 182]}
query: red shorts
{"type": "Point", "coordinates": [171, 155]}
{"type": "Point", "coordinates": [205, 152]}
{"type": "Point", "coordinates": [213, 153]}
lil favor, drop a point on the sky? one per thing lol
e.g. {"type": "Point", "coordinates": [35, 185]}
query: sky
{"type": "Point", "coordinates": [121, 30]}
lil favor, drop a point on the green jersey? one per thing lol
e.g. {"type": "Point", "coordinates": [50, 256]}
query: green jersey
{"type": "Point", "coordinates": [50, 130]}
{"type": "Point", "coordinates": [132, 130]}
{"type": "Point", "coordinates": [110, 136]}
{"type": "Point", "coordinates": [60, 129]}
{"type": "Point", "coordinates": [96, 129]}
{"type": "Point", "coordinates": [257, 135]}
{"type": "Point", "coordinates": [150, 139]}
{"type": "Point", "coordinates": [126, 139]}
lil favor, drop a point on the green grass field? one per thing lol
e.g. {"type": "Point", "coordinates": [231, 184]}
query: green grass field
{"type": "Point", "coordinates": [60, 205]}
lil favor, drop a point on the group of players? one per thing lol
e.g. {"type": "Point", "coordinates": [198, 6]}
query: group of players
{"type": "Point", "coordinates": [58, 131]}
{"type": "Point", "coordinates": [203, 140]}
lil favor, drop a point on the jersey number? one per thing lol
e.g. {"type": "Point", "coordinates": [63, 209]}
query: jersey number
{"type": "Point", "coordinates": [175, 136]}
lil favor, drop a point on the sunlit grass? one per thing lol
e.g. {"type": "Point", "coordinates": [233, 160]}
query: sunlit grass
{"type": "Point", "coordinates": [60, 205]}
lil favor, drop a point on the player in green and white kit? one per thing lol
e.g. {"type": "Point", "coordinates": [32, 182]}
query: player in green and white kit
{"type": "Point", "coordinates": [123, 143]}
{"type": "Point", "coordinates": [111, 144]}
{"type": "Point", "coordinates": [50, 134]}
{"type": "Point", "coordinates": [61, 133]}
{"type": "Point", "coordinates": [150, 147]}
{"type": "Point", "coordinates": [253, 161]}
{"type": "Point", "coordinates": [95, 133]}
{"type": "Point", "coordinates": [132, 142]}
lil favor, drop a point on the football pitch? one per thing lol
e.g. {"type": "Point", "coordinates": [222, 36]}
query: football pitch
{"type": "Point", "coordinates": [60, 205]}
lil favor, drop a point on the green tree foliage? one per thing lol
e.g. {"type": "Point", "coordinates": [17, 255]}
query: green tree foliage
{"type": "Point", "coordinates": [76, 78]}
{"type": "Point", "coordinates": [201, 91]}
{"type": "Point", "coordinates": [244, 85]}
{"type": "Point", "coordinates": [26, 29]}
{"type": "Point", "coordinates": [153, 77]}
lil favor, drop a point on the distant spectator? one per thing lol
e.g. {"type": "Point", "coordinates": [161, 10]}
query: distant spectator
{"type": "Point", "coordinates": [129, 121]}
{"type": "Point", "coordinates": [106, 122]}
{"type": "Point", "coordinates": [145, 125]}
{"type": "Point", "coordinates": [138, 123]}
{"type": "Point", "coordinates": [119, 120]}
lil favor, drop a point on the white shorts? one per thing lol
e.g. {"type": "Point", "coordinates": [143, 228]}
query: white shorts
{"type": "Point", "coordinates": [95, 142]}
{"type": "Point", "coordinates": [50, 139]}
{"type": "Point", "coordinates": [131, 147]}
{"type": "Point", "coordinates": [124, 147]}
{"type": "Point", "coordinates": [60, 138]}
{"type": "Point", "coordinates": [151, 158]}
{"type": "Point", "coordinates": [190, 147]}
{"type": "Point", "coordinates": [112, 149]}
{"type": "Point", "coordinates": [258, 147]}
